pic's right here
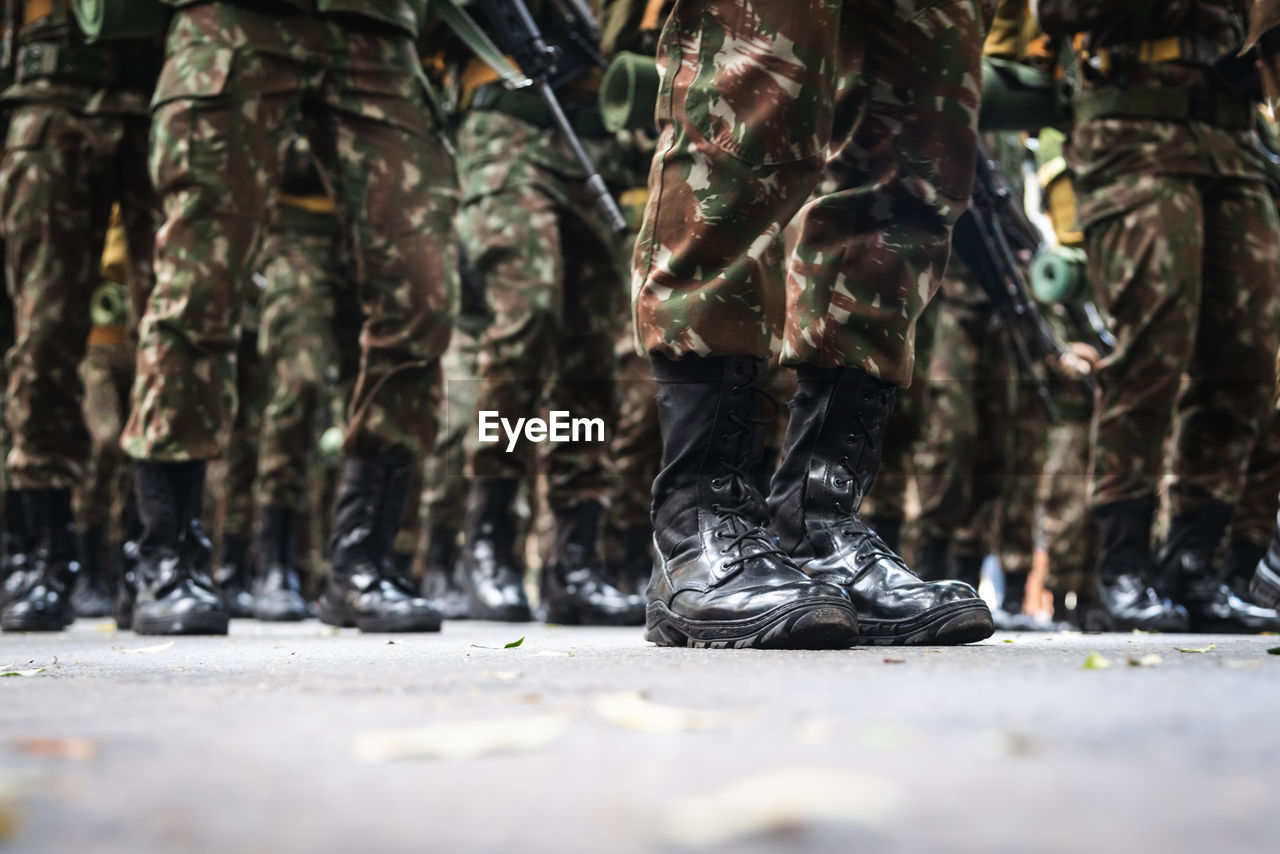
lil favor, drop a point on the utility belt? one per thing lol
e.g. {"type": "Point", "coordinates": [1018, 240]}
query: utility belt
{"type": "Point", "coordinates": [309, 214]}
{"type": "Point", "coordinates": [584, 117]}
{"type": "Point", "coordinates": [1219, 109]}
{"type": "Point", "coordinates": [1194, 49]}
{"type": "Point", "coordinates": [92, 65]}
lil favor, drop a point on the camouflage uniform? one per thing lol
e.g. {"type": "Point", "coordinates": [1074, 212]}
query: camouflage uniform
{"type": "Point", "coordinates": [379, 148]}
{"type": "Point", "coordinates": [75, 146]}
{"type": "Point", "coordinates": [869, 256]}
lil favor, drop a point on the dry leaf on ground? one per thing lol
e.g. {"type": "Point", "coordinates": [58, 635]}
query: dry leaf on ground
{"type": "Point", "coordinates": [460, 740]}
{"type": "Point", "coordinates": [632, 710]}
{"type": "Point", "coordinates": [1151, 659]}
{"type": "Point", "coordinates": [144, 650]}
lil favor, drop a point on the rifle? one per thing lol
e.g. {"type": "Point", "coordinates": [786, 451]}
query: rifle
{"type": "Point", "coordinates": [987, 238]}
{"type": "Point", "coordinates": [543, 67]}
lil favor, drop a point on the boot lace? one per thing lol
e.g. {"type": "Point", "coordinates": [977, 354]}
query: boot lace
{"type": "Point", "coordinates": [870, 422]}
{"type": "Point", "coordinates": [737, 515]}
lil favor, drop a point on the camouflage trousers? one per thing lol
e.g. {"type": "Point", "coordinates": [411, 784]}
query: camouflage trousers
{"type": "Point", "coordinates": [553, 277]}
{"type": "Point", "coordinates": [445, 485]}
{"type": "Point", "coordinates": [1188, 275]}
{"type": "Point", "coordinates": [308, 344]}
{"type": "Point", "coordinates": [888, 496]}
{"type": "Point", "coordinates": [1070, 537]}
{"type": "Point", "coordinates": [636, 448]}
{"type": "Point", "coordinates": [1255, 518]}
{"type": "Point", "coordinates": [749, 118]}
{"type": "Point", "coordinates": [235, 85]}
{"type": "Point", "coordinates": [1019, 528]}
{"type": "Point", "coordinates": [60, 175]}
{"type": "Point", "coordinates": [964, 461]}
{"type": "Point", "coordinates": [241, 457]}
{"type": "Point", "coordinates": [107, 374]}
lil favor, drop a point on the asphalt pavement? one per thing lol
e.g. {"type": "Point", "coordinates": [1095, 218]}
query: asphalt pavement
{"type": "Point", "coordinates": [302, 738]}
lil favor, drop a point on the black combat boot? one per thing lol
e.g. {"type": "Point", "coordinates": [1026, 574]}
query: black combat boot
{"type": "Point", "coordinates": [1126, 600]}
{"type": "Point", "coordinates": [495, 574]}
{"type": "Point", "coordinates": [127, 569]}
{"type": "Point", "coordinates": [91, 590]}
{"type": "Point", "coordinates": [933, 559]}
{"type": "Point", "coordinates": [443, 583]}
{"type": "Point", "coordinates": [720, 579]}
{"type": "Point", "coordinates": [575, 591]}
{"type": "Point", "coordinates": [636, 566]}
{"type": "Point", "coordinates": [1010, 617]}
{"type": "Point", "coordinates": [277, 589]}
{"type": "Point", "coordinates": [16, 544]}
{"type": "Point", "coordinates": [175, 595]}
{"type": "Point", "coordinates": [233, 575]}
{"type": "Point", "coordinates": [363, 589]}
{"type": "Point", "coordinates": [889, 530]}
{"type": "Point", "coordinates": [38, 595]}
{"type": "Point", "coordinates": [1188, 576]}
{"type": "Point", "coordinates": [833, 446]}
{"type": "Point", "coordinates": [1243, 557]}
{"type": "Point", "coordinates": [1265, 587]}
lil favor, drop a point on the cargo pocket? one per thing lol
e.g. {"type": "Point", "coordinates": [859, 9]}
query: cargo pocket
{"type": "Point", "coordinates": [22, 206]}
{"type": "Point", "coordinates": [761, 92]}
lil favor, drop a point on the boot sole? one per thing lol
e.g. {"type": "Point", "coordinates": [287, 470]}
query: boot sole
{"type": "Point", "coordinates": [50, 624]}
{"type": "Point", "coordinates": [379, 625]}
{"type": "Point", "coordinates": [1265, 587]}
{"type": "Point", "coordinates": [1098, 620]}
{"type": "Point", "coordinates": [952, 625]}
{"type": "Point", "coordinates": [828, 624]}
{"type": "Point", "coordinates": [189, 624]}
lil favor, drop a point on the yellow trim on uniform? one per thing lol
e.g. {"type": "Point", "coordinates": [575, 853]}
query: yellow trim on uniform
{"type": "Point", "coordinates": [476, 74]}
{"type": "Point", "coordinates": [1062, 211]}
{"type": "Point", "coordinates": [106, 336]}
{"type": "Point", "coordinates": [36, 10]}
{"type": "Point", "coordinates": [652, 15]}
{"type": "Point", "coordinates": [319, 203]}
{"type": "Point", "coordinates": [1148, 53]}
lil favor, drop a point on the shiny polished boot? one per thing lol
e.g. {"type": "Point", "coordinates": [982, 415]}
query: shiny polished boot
{"type": "Point", "coordinates": [889, 530]}
{"type": "Point", "coordinates": [442, 578]}
{"type": "Point", "coordinates": [720, 579]}
{"type": "Point", "coordinates": [495, 574]}
{"type": "Point", "coordinates": [1264, 589]}
{"type": "Point", "coordinates": [574, 589]}
{"type": "Point", "coordinates": [1241, 560]}
{"type": "Point", "coordinates": [277, 590]}
{"type": "Point", "coordinates": [16, 545]}
{"type": "Point", "coordinates": [1188, 576]}
{"type": "Point", "coordinates": [1126, 600]}
{"type": "Point", "coordinates": [833, 446]}
{"type": "Point", "coordinates": [233, 575]}
{"type": "Point", "coordinates": [91, 589]}
{"type": "Point", "coordinates": [175, 595]}
{"type": "Point", "coordinates": [363, 589]}
{"type": "Point", "coordinates": [1010, 617]}
{"type": "Point", "coordinates": [38, 595]}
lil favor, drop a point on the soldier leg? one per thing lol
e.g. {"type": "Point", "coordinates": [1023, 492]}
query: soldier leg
{"type": "Point", "coordinates": [1225, 406]}
{"type": "Point", "coordinates": [1146, 267]}
{"type": "Point", "coordinates": [296, 345]}
{"type": "Point", "coordinates": [1254, 522]}
{"type": "Point", "coordinates": [54, 213]}
{"type": "Point", "coordinates": [393, 181]}
{"type": "Point", "coordinates": [234, 573]}
{"type": "Point", "coordinates": [1070, 537]}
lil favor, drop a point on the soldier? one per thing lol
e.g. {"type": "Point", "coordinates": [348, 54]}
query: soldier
{"type": "Point", "coordinates": [745, 136]}
{"type": "Point", "coordinates": [553, 276]}
{"type": "Point", "coordinates": [349, 72]}
{"type": "Point", "coordinates": [1181, 236]}
{"type": "Point", "coordinates": [308, 343]}
{"type": "Point", "coordinates": [76, 144]}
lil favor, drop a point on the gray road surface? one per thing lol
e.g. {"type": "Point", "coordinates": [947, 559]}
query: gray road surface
{"type": "Point", "coordinates": [300, 738]}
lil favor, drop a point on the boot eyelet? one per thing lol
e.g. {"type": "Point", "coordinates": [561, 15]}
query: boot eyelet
{"type": "Point", "coordinates": [735, 391]}
{"type": "Point", "coordinates": [850, 438]}
{"type": "Point", "coordinates": [838, 482]}
{"type": "Point", "coordinates": [717, 483]}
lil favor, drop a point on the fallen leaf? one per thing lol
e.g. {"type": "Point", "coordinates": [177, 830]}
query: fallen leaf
{"type": "Point", "coordinates": [75, 749]}
{"type": "Point", "coordinates": [514, 644]}
{"type": "Point", "coordinates": [12, 671]}
{"type": "Point", "coordinates": [630, 709]}
{"type": "Point", "coordinates": [895, 661]}
{"type": "Point", "coordinates": [330, 632]}
{"type": "Point", "coordinates": [1208, 648]}
{"type": "Point", "coordinates": [775, 802]}
{"type": "Point", "coordinates": [460, 740]}
{"type": "Point", "coordinates": [504, 675]}
{"type": "Point", "coordinates": [1095, 661]}
{"type": "Point", "coordinates": [145, 650]}
{"type": "Point", "coordinates": [1007, 640]}
{"type": "Point", "coordinates": [391, 643]}
{"type": "Point", "coordinates": [1275, 650]}
{"type": "Point", "coordinates": [1148, 660]}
